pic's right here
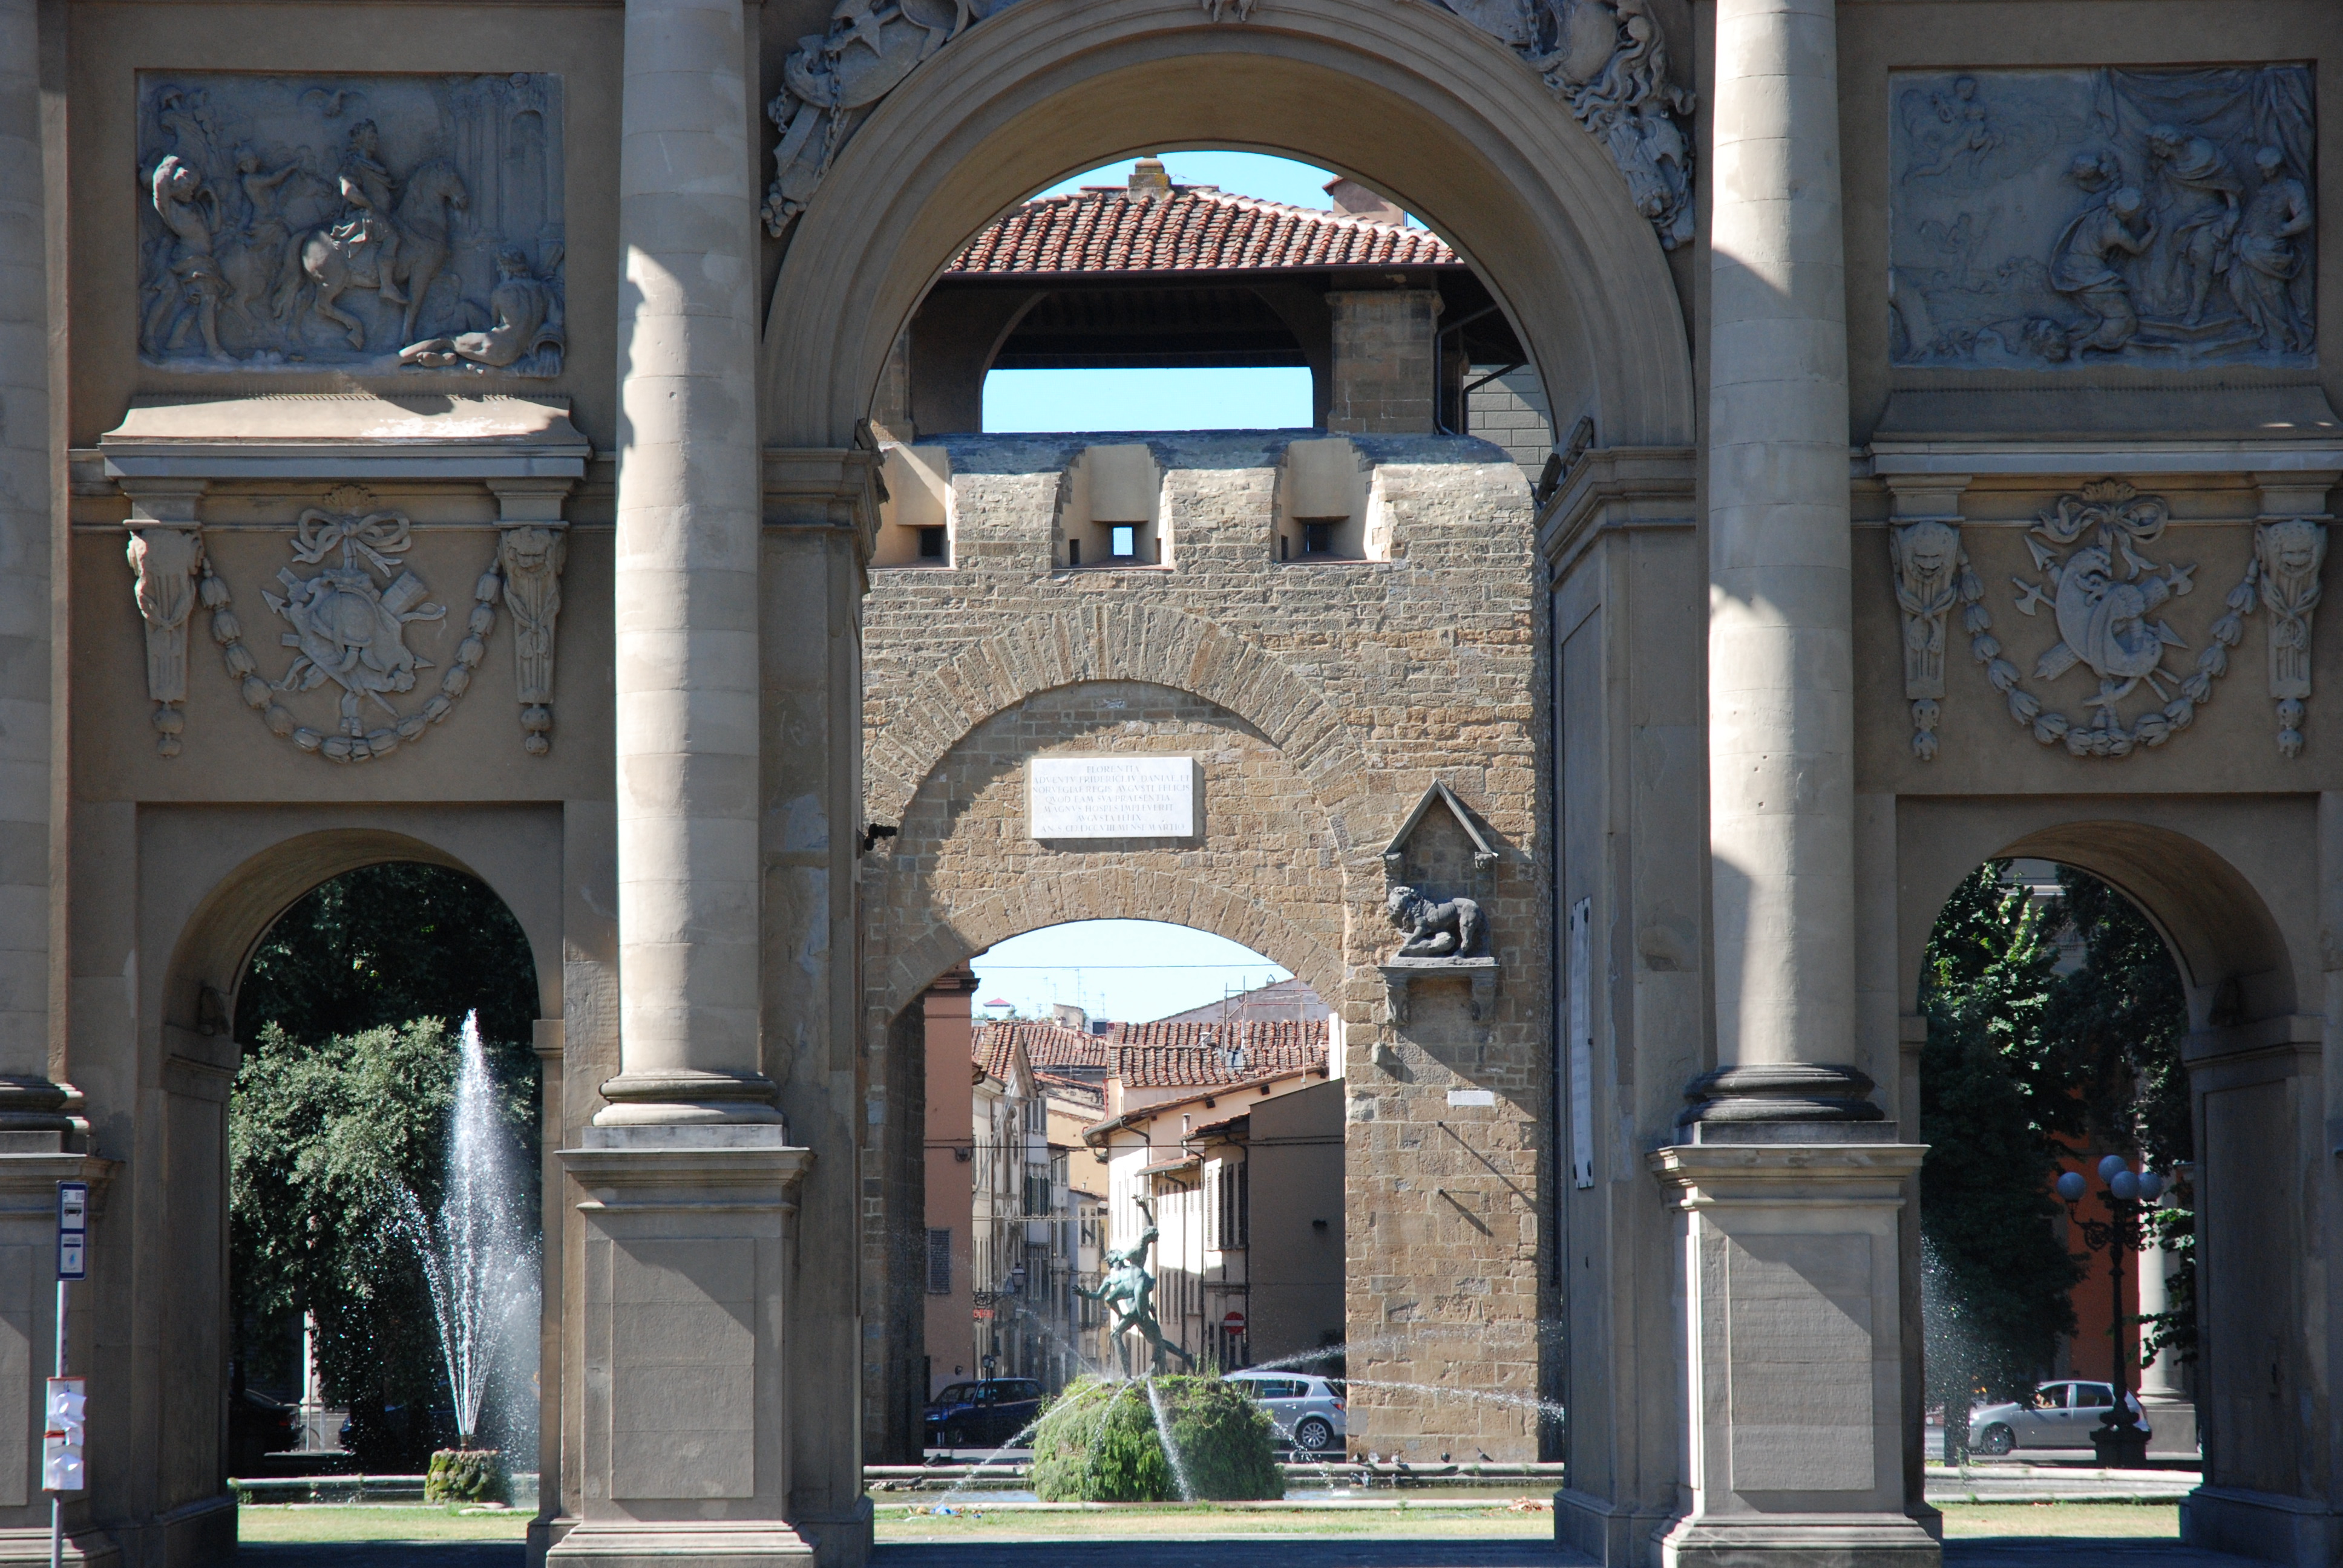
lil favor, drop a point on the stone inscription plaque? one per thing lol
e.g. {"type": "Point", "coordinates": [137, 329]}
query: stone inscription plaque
{"type": "Point", "coordinates": [2054, 219]}
{"type": "Point", "coordinates": [1112, 797]}
{"type": "Point", "coordinates": [395, 225]}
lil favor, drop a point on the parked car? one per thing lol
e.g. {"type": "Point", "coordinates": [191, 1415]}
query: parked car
{"type": "Point", "coordinates": [258, 1426]}
{"type": "Point", "coordinates": [2059, 1415]}
{"type": "Point", "coordinates": [1307, 1411]}
{"type": "Point", "coordinates": [986, 1413]}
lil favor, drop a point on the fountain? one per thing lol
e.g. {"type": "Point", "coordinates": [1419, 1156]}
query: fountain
{"type": "Point", "coordinates": [480, 1259]}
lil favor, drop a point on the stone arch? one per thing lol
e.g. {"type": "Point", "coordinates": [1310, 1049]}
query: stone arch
{"type": "Point", "coordinates": [230, 920]}
{"type": "Point", "coordinates": [2232, 948]}
{"type": "Point", "coordinates": [1412, 100]}
{"type": "Point", "coordinates": [1105, 894]}
{"type": "Point", "coordinates": [1161, 647]}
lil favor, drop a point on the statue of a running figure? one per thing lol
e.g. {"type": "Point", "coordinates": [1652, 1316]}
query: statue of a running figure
{"type": "Point", "coordinates": [1131, 1288]}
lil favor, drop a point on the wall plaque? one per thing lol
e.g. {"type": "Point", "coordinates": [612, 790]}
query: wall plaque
{"type": "Point", "coordinates": [1113, 798]}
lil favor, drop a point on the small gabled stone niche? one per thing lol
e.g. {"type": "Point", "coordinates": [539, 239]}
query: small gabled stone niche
{"type": "Point", "coordinates": [1113, 515]}
{"type": "Point", "coordinates": [1441, 852]}
{"type": "Point", "coordinates": [1329, 505]}
{"type": "Point", "coordinates": [915, 525]}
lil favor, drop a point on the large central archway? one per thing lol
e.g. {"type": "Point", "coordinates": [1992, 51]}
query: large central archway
{"type": "Point", "coordinates": [1409, 100]}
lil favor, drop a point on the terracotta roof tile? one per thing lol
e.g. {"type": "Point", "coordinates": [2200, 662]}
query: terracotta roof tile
{"type": "Point", "coordinates": [1196, 229]}
{"type": "Point", "coordinates": [1169, 1055]}
{"type": "Point", "coordinates": [1047, 1045]}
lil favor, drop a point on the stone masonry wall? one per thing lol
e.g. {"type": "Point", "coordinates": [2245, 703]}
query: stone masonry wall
{"type": "Point", "coordinates": [1323, 698]}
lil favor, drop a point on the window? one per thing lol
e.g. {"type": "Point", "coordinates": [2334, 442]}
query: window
{"type": "Point", "coordinates": [1230, 1218]}
{"type": "Point", "coordinates": [931, 544]}
{"type": "Point", "coordinates": [1125, 546]}
{"type": "Point", "coordinates": [940, 1263]}
{"type": "Point", "coordinates": [1037, 1193]}
{"type": "Point", "coordinates": [1318, 539]}
{"type": "Point", "coordinates": [1073, 552]}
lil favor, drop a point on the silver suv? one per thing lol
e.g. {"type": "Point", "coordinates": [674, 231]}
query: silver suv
{"type": "Point", "coordinates": [1306, 1410]}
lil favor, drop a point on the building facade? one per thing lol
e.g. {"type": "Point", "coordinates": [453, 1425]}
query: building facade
{"type": "Point", "coordinates": [1946, 438]}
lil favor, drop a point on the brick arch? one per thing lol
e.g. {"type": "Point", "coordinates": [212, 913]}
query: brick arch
{"type": "Point", "coordinates": [1126, 642]}
{"type": "Point", "coordinates": [1108, 893]}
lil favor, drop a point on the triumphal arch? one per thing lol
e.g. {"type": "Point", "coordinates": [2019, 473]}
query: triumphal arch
{"type": "Point", "coordinates": [1944, 439]}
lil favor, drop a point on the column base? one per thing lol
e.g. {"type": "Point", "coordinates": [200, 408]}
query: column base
{"type": "Point", "coordinates": [709, 1543]}
{"type": "Point", "coordinates": [1801, 1541]}
{"type": "Point", "coordinates": [1614, 1535]}
{"type": "Point", "coordinates": [2299, 1531]}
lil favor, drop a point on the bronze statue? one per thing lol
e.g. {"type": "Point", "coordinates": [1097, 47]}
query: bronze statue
{"type": "Point", "coordinates": [1129, 1285]}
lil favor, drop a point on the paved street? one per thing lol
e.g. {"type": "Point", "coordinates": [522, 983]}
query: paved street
{"type": "Point", "coordinates": [1284, 1552]}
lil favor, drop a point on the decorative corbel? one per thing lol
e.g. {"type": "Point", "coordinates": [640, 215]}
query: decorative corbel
{"type": "Point", "coordinates": [2287, 555]}
{"type": "Point", "coordinates": [1923, 548]}
{"type": "Point", "coordinates": [166, 551]}
{"type": "Point", "coordinates": [532, 546]}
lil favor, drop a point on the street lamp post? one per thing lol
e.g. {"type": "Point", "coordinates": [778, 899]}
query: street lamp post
{"type": "Point", "coordinates": [2120, 1440]}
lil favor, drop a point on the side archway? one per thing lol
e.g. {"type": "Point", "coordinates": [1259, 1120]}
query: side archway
{"type": "Point", "coordinates": [2217, 886]}
{"type": "Point", "coordinates": [1411, 100]}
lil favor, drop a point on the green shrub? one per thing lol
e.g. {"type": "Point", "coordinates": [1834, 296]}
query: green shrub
{"type": "Point", "coordinates": [1098, 1443]}
{"type": "Point", "coordinates": [467, 1475]}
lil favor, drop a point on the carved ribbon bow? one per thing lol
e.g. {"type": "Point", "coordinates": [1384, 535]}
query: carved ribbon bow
{"type": "Point", "coordinates": [381, 537]}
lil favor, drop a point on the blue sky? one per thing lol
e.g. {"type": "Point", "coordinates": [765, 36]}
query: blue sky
{"type": "Point", "coordinates": [1168, 400]}
{"type": "Point", "coordinates": [1130, 970]}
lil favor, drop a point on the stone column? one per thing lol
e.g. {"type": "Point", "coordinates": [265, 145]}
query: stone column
{"type": "Point", "coordinates": [687, 1267]}
{"type": "Point", "coordinates": [1781, 673]}
{"type": "Point", "coordinates": [1789, 1185]}
{"type": "Point", "coordinates": [686, 570]}
{"type": "Point", "coordinates": [2171, 1414]}
{"type": "Point", "coordinates": [30, 1104]}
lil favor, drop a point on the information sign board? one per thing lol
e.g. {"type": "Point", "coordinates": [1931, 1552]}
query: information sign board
{"type": "Point", "coordinates": [1116, 797]}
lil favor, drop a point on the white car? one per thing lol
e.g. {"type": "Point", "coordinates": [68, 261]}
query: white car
{"type": "Point", "coordinates": [2060, 1415]}
{"type": "Point", "coordinates": [1306, 1410]}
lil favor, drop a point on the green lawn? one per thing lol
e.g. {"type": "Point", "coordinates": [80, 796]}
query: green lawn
{"type": "Point", "coordinates": [2140, 1519]}
{"type": "Point", "coordinates": [268, 1521]}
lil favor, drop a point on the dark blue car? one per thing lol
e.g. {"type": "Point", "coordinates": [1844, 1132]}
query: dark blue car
{"type": "Point", "coordinates": [985, 1413]}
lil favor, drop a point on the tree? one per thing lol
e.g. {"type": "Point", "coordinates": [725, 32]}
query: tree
{"type": "Point", "coordinates": [1996, 1282]}
{"type": "Point", "coordinates": [2119, 1022]}
{"type": "Point", "coordinates": [349, 1015]}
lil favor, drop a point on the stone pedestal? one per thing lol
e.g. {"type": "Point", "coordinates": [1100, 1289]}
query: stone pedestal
{"type": "Point", "coordinates": [1793, 1353]}
{"type": "Point", "coordinates": [688, 1232]}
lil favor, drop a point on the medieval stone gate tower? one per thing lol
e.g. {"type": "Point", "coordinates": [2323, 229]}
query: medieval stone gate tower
{"type": "Point", "coordinates": [435, 432]}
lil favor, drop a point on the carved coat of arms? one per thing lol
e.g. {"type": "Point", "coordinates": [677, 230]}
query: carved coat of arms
{"type": "Point", "coordinates": [349, 622]}
{"type": "Point", "coordinates": [2111, 605]}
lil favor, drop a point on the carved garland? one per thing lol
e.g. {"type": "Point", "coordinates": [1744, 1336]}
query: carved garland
{"type": "Point", "coordinates": [349, 629]}
{"type": "Point", "coordinates": [2102, 593]}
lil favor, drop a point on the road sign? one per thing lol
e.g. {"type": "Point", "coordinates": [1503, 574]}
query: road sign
{"type": "Point", "coordinates": [61, 1444]}
{"type": "Point", "coordinates": [1232, 1320]}
{"type": "Point", "coordinates": [73, 1229]}
{"type": "Point", "coordinates": [983, 1315]}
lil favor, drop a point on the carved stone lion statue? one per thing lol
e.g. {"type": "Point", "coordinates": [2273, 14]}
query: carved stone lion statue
{"type": "Point", "coordinates": [1455, 929]}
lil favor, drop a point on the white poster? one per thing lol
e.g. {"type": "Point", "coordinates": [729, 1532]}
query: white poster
{"type": "Point", "coordinates": [1111, 796]}
{"type": "Point", "coordinates": [1580, 1031]}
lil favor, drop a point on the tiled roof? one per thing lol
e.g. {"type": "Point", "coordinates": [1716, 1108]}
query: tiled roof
{"type": "Point", "coordinates": [1169, 1055]}
{"type": "Point", "coordinates": [1047, 1045]}
{"type": "Point", "coordinates": [1056, 1086]}
{"type": "Point", "coordinates": [1196, 229]}
{"type": "Point", "coordinates": [995, 1049]}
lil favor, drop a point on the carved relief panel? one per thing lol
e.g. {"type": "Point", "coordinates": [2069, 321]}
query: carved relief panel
{"type": "Point", "coordinates": [2052, 219]}
{"type": "Point", "coordinates": [394, 225]}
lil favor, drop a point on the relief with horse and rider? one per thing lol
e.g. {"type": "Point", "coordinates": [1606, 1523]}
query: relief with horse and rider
{"type": "Point", "coordinates": [391, 223]}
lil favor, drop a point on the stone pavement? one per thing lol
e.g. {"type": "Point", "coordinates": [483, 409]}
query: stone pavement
{"type": "Point", "coordinates": [2015, 1553]}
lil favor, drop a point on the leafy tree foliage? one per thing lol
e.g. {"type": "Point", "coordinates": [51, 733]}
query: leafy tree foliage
{"type": "Point", "coordinates": [349, 1014]}
{"type": "Point", "coordinates": [2120, 1019]}
{"type": "Point", "coordinates": [2022, 1064]}
{"type": "Point", "coordinates": [1992, 1092]}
